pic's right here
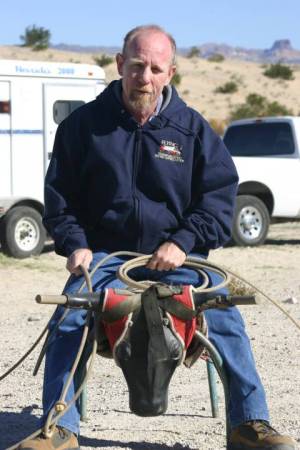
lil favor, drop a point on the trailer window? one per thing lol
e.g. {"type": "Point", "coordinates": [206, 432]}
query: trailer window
{"type": "Point", "coordinates": [260, 139]}
{"type": "Point", "coordinates": [4, 107]}
{"type": "Point", "coordinates": [62, 108]}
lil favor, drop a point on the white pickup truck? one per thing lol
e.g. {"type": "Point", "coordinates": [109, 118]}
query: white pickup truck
{"type": "Point", "coordinates": [266, 152]}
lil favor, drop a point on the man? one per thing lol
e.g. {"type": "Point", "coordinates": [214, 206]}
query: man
{"type": "Point", "coordinates": [138, 170]}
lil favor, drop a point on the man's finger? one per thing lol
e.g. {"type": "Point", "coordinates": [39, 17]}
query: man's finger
{"type": "Point", "coordinates": [164, 265]}
{"type": "Point", "coordinates": [72, 268]}
{"type": "Point", "coordinates": [77, 271]}
{"type": "Point", "coordinates": [160, 264]}
{"type": "Point", "coordinates": [79, 257]}
{"type": "Point", "coordinates": [85, 263]}
{"type": "Point", "coordinates": [152, 264]}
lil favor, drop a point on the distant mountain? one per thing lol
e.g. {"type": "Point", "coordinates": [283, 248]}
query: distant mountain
{"type": "Point", "coordinates": [281, 50]}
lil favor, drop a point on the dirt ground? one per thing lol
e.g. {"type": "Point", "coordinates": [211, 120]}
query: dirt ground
{"type": "Point", "coordinates": [187, 425]}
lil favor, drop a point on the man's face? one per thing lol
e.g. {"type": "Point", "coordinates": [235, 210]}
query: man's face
{"type": "Point", "coordinates": [145, 69]}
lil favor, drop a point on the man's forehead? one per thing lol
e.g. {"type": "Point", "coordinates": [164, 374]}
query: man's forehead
{"type": "Point", "coordinates": [155, 42]}
{"type": "Point", "coordinates": [144, 60]}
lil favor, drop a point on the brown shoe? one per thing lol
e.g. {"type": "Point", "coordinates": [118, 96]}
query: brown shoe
{"type": "Point", "coordinates": [258, 435]}
{"type": "Point", "coordinates": [61, 439]}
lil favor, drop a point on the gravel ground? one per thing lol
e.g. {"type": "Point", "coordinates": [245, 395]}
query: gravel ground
{"type": "Point", "coordinates": [274, 268]}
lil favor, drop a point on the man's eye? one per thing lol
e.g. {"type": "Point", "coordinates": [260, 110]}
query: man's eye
{"type": "Point", "coordinates": [137, 66]}
{"type": "Point", "coordinates": [156, 70]}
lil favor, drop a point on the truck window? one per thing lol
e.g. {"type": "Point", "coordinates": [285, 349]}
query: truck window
{"type": "Point", "coordinates": [260, 139]}
{"type": "Point", "coordinates": [62, 108]}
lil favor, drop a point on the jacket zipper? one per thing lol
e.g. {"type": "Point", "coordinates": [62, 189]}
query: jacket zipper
{"type": "Point", "coordinates": [136, 159]}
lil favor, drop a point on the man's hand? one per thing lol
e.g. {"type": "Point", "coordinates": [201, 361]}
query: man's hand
{"type": "Point", "coordinates": [81, 256]}
{"type": "Point", "coordinates": [167, 257]}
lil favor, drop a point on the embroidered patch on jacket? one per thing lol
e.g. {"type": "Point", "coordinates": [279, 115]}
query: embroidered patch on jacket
{"type": "Point", "coordinates": [170, 150]}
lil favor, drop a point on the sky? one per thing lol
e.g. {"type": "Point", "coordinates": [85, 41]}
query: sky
{"type": "Point", "coordinates": [250, 24]}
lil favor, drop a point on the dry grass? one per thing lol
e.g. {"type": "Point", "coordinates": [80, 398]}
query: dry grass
{"type": "Point", "coordinates": [238, 287]}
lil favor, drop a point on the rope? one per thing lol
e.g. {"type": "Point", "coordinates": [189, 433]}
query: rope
{"type": "Point", "coordinates": [60, 407]}
{"type": "Point", "coordinates": [25, 354]}
{"type": "Point", "coordinates": [197, 264]}
{"type": "Point", "coordinates": [267, 297]}
{"type": "Point", "coordinates": [45, 346]}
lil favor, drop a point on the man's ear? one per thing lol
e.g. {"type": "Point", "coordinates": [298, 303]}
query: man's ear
{"type": "Point", "coordinates": [120, 63]}
{"type": "Point", "coordinates": [172, 72]}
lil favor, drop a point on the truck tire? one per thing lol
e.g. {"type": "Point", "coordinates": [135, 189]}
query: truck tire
{"type": "Point", "coordinates": [251, 221]}
{"type": "Point", "coordinates": [22, 232]}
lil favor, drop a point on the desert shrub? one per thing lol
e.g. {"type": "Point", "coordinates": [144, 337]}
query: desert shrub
{"type": "Point", "coordinates": [227, 88]}
{"type": "Point", "coordinates": [238, 287]}
{"type": "Point", "coordinates": [279, 71]}
{"type": "Point", "coordinates": [257, 105]}
{"type": "Point", "coordinates": [218, 125]}
{"type": "Point", "coordinates": [194, 52]}
{"type": "Point", "coordinates": [276, 109]}
{"type": "Point", "coordinates": [38, 38]}
{"type": "Point", "coordinates": [238, 78]}
{"type": "Point", "coordinates": [216, 57]}
{"type": "Point", "coordinates": [176, 80]}
{"type": "Point", "coordinates": [103, 60]}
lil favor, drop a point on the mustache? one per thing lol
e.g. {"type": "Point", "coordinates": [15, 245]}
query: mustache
{"type": "Point", "coordinates": [143, 91]}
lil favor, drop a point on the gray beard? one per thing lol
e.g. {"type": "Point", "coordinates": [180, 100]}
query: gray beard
{"type": "Point", "coordinates": [142, 102]}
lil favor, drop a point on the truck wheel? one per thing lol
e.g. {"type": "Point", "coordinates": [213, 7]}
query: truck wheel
{"type": "Point", "coordinates": [251, 221]}
{"type": "Point", "coordinates": [22, 232]}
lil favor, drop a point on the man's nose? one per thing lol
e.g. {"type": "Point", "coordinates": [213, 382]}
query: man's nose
{"type": "Point", "coordinates": [145, 75]}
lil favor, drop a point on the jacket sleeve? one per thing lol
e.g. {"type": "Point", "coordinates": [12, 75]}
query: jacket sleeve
{"type": "Point", "coordinates": [62, 192]}
{"type": "Point", "coordinates": [207, 222]}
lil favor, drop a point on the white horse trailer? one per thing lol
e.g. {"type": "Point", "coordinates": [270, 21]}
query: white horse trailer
{"type": "Point", "coordinates": [34, 98]}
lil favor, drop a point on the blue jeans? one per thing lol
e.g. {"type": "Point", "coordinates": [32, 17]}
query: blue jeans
{"type": "Point", "coordinates": [226, 332]}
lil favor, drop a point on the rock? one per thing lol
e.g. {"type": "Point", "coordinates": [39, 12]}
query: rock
{"type": "Point", "coordinates": [33, 319]}
{"type": "Point", "coordinates": [291, 301]}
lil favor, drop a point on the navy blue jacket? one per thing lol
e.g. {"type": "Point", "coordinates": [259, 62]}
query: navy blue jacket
{"type": "Point", "coordinates": [115, 185]}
